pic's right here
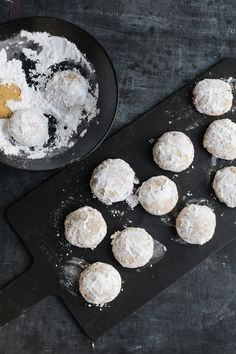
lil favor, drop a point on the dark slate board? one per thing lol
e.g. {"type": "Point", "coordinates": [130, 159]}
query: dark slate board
{"type": "Point", "coordinates": [38, 217]}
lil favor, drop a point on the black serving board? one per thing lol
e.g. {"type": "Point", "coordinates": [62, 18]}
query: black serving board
{"type": "Point", "coordinates": [38, 217]}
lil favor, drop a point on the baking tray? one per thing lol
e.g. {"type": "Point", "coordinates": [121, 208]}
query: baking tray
{"type": "Point", "coordinates": [38, 217]}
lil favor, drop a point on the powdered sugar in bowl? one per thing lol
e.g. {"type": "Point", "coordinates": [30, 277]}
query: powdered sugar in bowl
{"type": "Point", "coordinates": [62, 75]}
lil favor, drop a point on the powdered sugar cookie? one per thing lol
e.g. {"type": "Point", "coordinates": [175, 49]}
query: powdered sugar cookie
{"type": "Point", "coordinates": [224, 185]}
{"type": "Point", "coordinates": [67, 90]}
{"type": "Point", "coordinates": [196, 224]}
{"type": "Point", "coordinates": [212, 97]}
{"type": "Point", "coordinates": [112, 181]}
{"type": "Point", "coordinates": [173, 151]}
{"type": "Point", "coordinates": [100, 283]}
{"type": "Point", "coordinates": [220, 139]}
{"type": "Point", "coordinates": [133, 247]}
{"type": "Point", "coordinates": [158, 195]}
{"type": "Point", "coordinates": [28, 127]}
{"type": "Point", "coordinates": [85, 227]}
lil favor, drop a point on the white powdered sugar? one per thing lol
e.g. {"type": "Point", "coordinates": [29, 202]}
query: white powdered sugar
{"type": "Point", "coordinates": [54, 49]}
{"type": "Point", "coordinates": [132, 200]}
{"type": "Point", "coordinates": [57, 66]}
{"type": "Point", "coordinates": [70, 272]}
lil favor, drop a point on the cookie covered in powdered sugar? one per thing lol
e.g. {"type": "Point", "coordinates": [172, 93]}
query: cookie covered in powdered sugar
{"type": "Point", "coordinates": [67, 90]}
{"type": "Point", "coordinates": [220, 139]}
{"type": "Point", "coordinates": [85, 227]}
{"type": "Point", "coordinates": [112, 181]}
{"type": "Point", "coordinates": [173, 151]}
{"type": "Point", "coordinates": [158, 195]}
{"type": "Point", "coordinates": [224, 185]}
{"type": "Point", "coordinates": [196, 224]}
{"type": "Point", "coordinates": [212, 97]}
{"type": "Point", "coordinates": [28, 127]}
{"type": "Point", "coordinates": [133, 247]}
{"type": "Point", "coordinates": [99, 283]}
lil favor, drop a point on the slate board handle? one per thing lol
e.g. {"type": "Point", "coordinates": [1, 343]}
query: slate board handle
{"type": "Point", "coordinates": [20, 294]}
{"type": "Point", "coordinates": [73, 304]}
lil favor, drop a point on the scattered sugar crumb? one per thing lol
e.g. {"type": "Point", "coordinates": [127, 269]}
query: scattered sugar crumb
{"type": "Point", "coordinates": [82, 134]}
{"type": "Point", "coordinates": [166, 220]}
{"type": "Point", "coordinates": [132, 201]}
{"type": "Point", "coordinates": [193, 126]}
{"type": "Point", "coordinates": [214, 161]}
{"type": "Point", "coordinates": [116, 212]}
{"type": "Point", "coordinates": [175, 176]}
{"type": "Point", "coordinates": [151, 141]}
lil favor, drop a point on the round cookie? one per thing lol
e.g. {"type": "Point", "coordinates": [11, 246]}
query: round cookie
{"type": "Point", "coordinates": [196, 224]}
{"type": "Point", "coordinates": [212, 97]}
{"type": "Point", "coordinates": [173, 151]}
{"type": "Point", "coordinates": [112, 181]}
{"type": "Point", "coordinates": [67, 90]}
{"type": "Point", "coordinates": [99, 283]}
{"type": "Point", "coordinates": [133, 247]}
{"type": "Point", "coordinates": [220, 139]}
{"type": "Point", "coordinates": [158, 195]}
{"type": "Point", "coordinates": [224, 185]}
{"type": "Point", "coordinates": [28, 127]}
{"type": "Point", "coordinates": [85, 227]}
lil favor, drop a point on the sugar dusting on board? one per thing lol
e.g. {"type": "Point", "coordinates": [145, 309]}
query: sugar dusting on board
{"type": "Point", "coordinates": [158, 253]}
{"type": "Point", "coordinates": [70, 272]}
{"type": "Point", "coordinates": [48, 55]}
{"type": "Point", "coordinates": [132, 200]}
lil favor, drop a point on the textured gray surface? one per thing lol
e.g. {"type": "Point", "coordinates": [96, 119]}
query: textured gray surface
{"type": "Point", "coordinates": [156, 47]}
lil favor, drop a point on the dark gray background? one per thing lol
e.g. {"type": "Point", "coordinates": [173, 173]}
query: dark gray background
{"type": "Point", "coordinates": [156, 47]}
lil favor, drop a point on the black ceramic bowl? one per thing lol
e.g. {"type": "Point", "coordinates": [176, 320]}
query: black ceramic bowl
{"type": "Point", "coordinates": [108, 91]}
